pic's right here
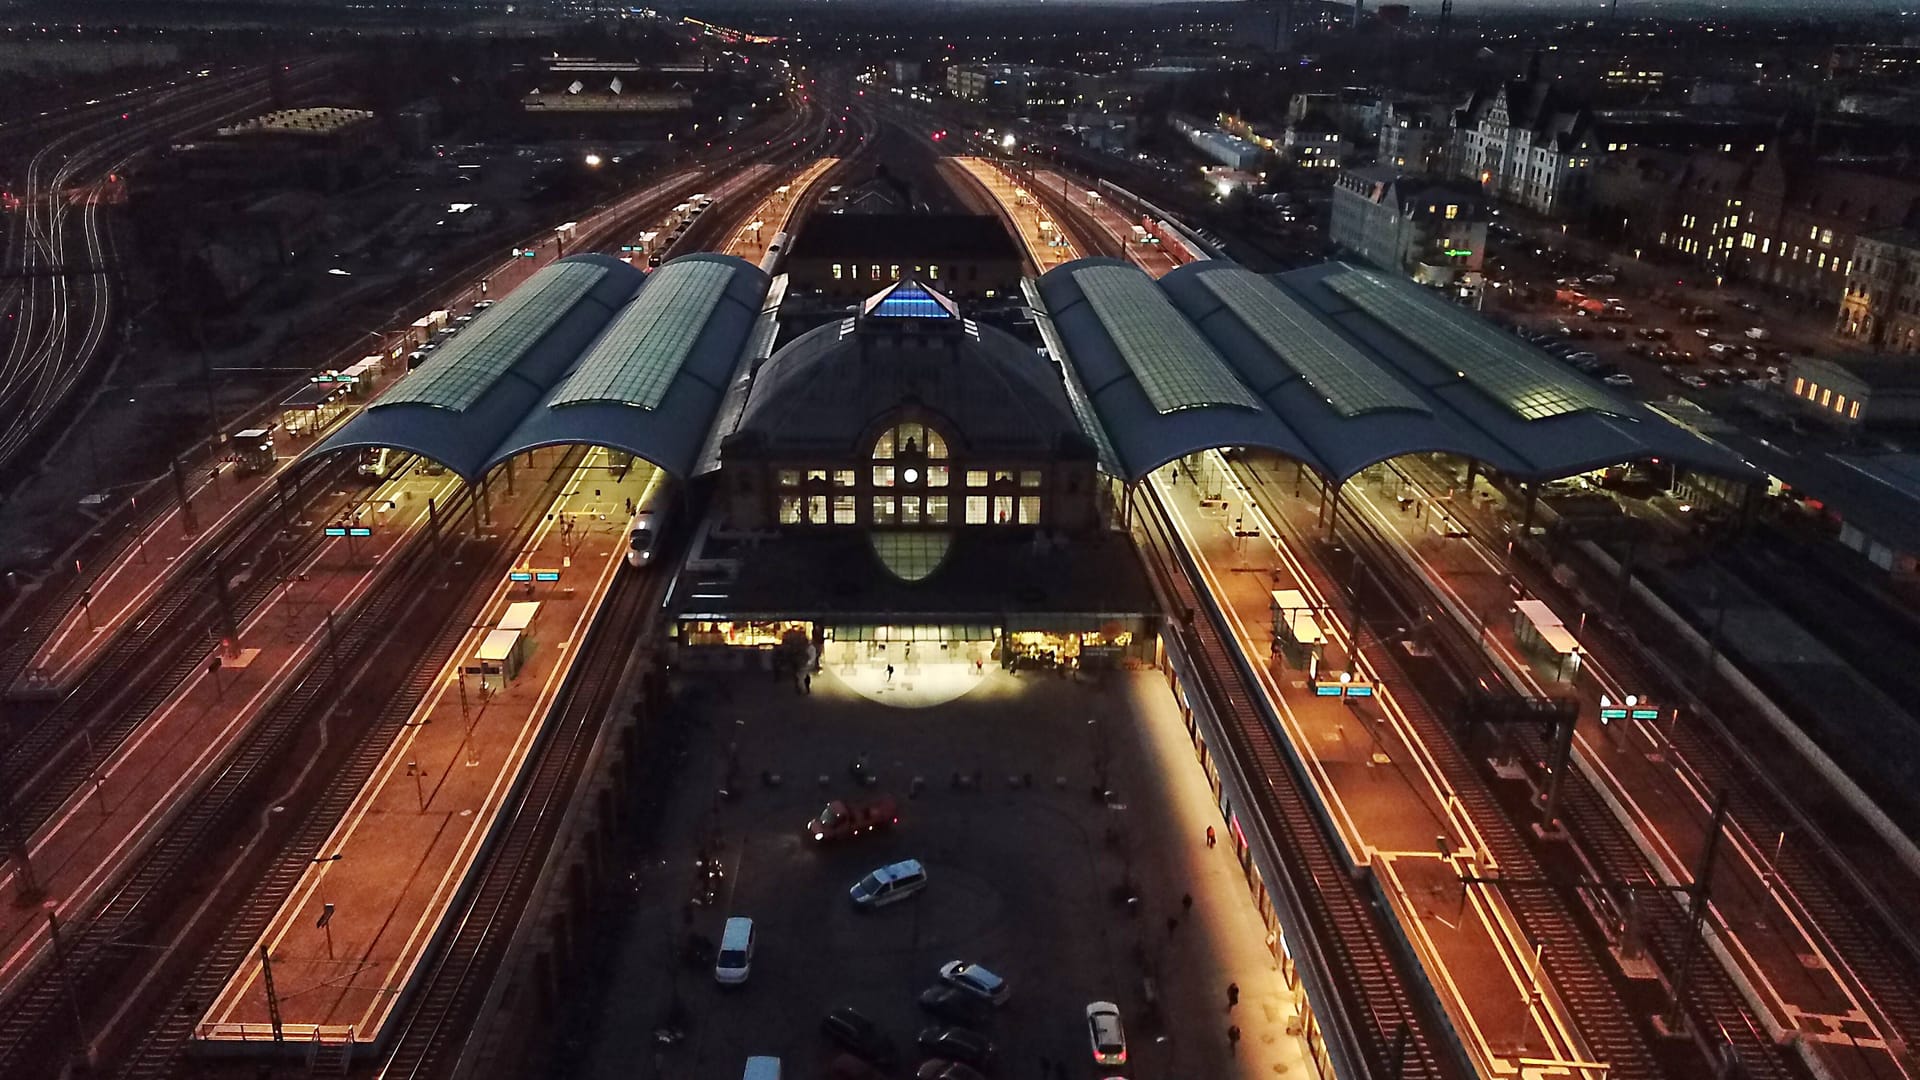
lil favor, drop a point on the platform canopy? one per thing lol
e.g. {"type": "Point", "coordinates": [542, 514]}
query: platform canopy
{"type": "Point", "coordinates": [1336, 366]}
{"type": "Point", "coordinates": [589, 351]}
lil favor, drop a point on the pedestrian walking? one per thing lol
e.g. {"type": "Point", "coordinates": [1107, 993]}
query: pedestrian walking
{"type": "Point", "coordinates": [1233, 1040]}
{"type": "Point", "coordinates": [889, 672]}
{"type": "Point", "coordinates": [1233, 995]}
{"type": "Point", "coordinates": [1186, 903]}
{"type": "Point", "coordinates": [808, 682]}
{"type": "Point", "coordinates": [1209, 836]}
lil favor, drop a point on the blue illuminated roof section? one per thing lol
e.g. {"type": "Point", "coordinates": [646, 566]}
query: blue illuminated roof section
{"type": "Point", "coordinates": [909, 300]}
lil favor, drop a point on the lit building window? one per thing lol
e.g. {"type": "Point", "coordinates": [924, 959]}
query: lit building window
{"type": "Point", "coordinates": [885, 510]}
{"type": "Point", "coordinates": [836, 271]}
{"type": "Point", "coordinates": [1826, 398]}
{"type": "Point", "coordinates": [845, 509]}
{"type": "Point", "coordinates": [933, 272]}
{"type": "Point", "coordinates": [1029, 478]}
{"type": "Point", "coordinates": [1799, 386]}
{"type": "Point", "coordinates": [816, 509]}
{"type": "Point", "coordinates": [1854, 413]}
{"type": "Point", "coordinates": [976, 509]}
{"type": "Point", "coordinates": [1029, 509]}
{"type": "Point", "coordinates": [910, 510]}
{"type": "Point", "coordinates": [789, 477]}
{"type": "Point", "coordinates": [937, 476]}
{"type": "Point", "coordinates": [894, 272]}
{"type": "Point", "coordinates": [789, 509]}
{"type": "Point", "coordinates": [1002, 509]}
{"type": "Point", "coordinates": [1840, 403]}
{"type": "Point", "coordinates": [819, 475]}
{"type": "Point", "coordinates": [936, 509]}
{"type": "Point", "coordinates": [873, 272]}
{"type": "Point", "coordinates": [976, 478]}
{"type": "Point", "coordinates": [844, 477]}
{"type": "Point", "coordinates": [883, 476]}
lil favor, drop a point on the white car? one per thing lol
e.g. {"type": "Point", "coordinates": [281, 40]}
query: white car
{"type": "Point", "coordinates": [1618, 378]}
{"type": "Point", "coordinates": [1105, 1035]}
{"type": "Point", "coordinates": [975, 980]}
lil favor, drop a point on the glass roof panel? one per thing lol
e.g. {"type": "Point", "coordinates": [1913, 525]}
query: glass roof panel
{"type": "Point", "coordinates": [908, 301]}
{"type": "Point", "coordinates": [636, 360]}
{"type": "Point", "coordinates": [1174, 364]}
{"type": "Point", "coordinates": [1516, 375]}
{"type": "Point", "coordinates": [467, 366]}
{"type": "Point", "coordinates": [1338, 372]}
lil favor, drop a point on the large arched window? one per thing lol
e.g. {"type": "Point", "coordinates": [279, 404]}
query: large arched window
{"type": "Point", "coordinates": [910, 475]}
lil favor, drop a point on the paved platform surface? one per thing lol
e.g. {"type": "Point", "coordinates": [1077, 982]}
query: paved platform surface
{"type": "Point", "coordinates": [1777, 949]}
{"type": "Point", "coordinates": [216, 497]}
{"type": "Point", "coordinates": [1034, 225]}
{"type": "Point", "coordinates": [775, 212]}
{"type": "Point", "coordinates": [1153, 258]}
{"type": "Point", "coordinates": [1021, 879]}
{"type": "Point", "coordinates": [416, 829]}
{"type": "Point", "coordinates": [1375, 779]}
{"type": "Point", "coordinates": [84, 846]}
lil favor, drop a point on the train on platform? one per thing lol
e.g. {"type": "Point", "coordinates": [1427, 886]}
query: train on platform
{"type": "Point", "coordinates": [1171, 240]}
{"type": "Point", "coordinates": [775, 255]}
{"type": "Point", "coordinates": [651, 515]}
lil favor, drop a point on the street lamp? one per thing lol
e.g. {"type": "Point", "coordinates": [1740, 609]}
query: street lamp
{"type": "Point", "coordinates": [1008, 142]}
{"type": "Point", "coordinates": [593, 161]}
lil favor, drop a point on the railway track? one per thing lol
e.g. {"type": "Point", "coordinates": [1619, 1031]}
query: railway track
{"type": "Point", "coordinates": [1855, 923]}
{"type": "Point", "coordinates": [96, 945]}
{"type": "Point", "coordinates": [145, 663]}
{"type": "Point", "coordinates": [1377, 997]}
{"type": "Point", "coordinates": [1721, 1019]}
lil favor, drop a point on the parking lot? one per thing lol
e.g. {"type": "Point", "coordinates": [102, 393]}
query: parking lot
{"type": "Point", "coordinates": [1023, 877]}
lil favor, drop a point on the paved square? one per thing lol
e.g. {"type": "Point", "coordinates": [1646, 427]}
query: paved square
{"type": "Point", "coordinates": [1023, 870]}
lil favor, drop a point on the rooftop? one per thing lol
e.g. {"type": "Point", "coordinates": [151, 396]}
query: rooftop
{"type": "Point", "coordinates": [315, 121]}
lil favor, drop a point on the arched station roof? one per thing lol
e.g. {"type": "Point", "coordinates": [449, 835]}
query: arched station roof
{"type": "Point", "coordinates": [1336, 366]}
{"type": "Point", "coordinates": [588, 351]}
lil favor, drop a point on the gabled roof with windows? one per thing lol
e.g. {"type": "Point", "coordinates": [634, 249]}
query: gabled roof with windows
{"type": "Point", "coordinates": [1335, 366]}
{"type": "Point", "coordinates": [588, 351]}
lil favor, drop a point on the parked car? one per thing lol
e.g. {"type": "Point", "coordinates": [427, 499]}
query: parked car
{"type": "Point", "coordinates": [889, 884]}
{"type": "Point", "coordinates": [956, 1006]}
{"type": "Point", "coordinates": [1105, 1034]}
{"type": "Point", "coordinates": [957, 1044]}
{"type": "Point", "coordinates": [843, 819]}
{"type": "Point", "coordinates": [975, 980]}
{"type": "Point", "coordinates": [942, 1069]}
{"type": "Point", "coordinates": [1694, 381]}
{"type": "Point", "coordinates": [1759, 333]}
{"type": "Point", "coordinates": [1618, 378]}
{"type": "Point", "coordinates": [852, 1031]}
{"type": "Point", "coordinates": [1601, 279]}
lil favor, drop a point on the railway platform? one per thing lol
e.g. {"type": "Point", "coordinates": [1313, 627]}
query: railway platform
{"type": "Point", "coordinates": [775, 212]}
{"type": "Point", "coordinates": [213, 499]}
{"type": "Point", "coordinates": [1389, 807]}
{"type": "Point", "coordinates": [137, 776]}
{"type": "Point", "coordinates": [1784, 916]}
{"type": "Point", "coordinates": [343, 951]}
{"type": "Point", "coordinates": [1039, 234]}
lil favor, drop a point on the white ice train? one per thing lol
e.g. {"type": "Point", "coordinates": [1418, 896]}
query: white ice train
{"type": "Point", "coordinates": [650, 519]}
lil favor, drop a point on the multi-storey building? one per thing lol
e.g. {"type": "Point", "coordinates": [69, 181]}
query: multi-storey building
{"type": "Point", "coordinates": [1527, 143]}
{"type": "Point", "coordinates": [1413, 136]}
{"type": "Point", "coordinates": [1408, 224]}
{"type": "Point", "coordinates": [1881, 305]}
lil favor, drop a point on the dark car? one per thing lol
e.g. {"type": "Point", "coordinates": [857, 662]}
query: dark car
{"type": "Point", "coordinates": [957, 1044]}
{"type": "Point", "coordinates": [956, 1006]}
{"type": "Point", "coordinates": [853, 1032]}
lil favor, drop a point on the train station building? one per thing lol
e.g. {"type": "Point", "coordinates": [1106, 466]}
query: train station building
{"type": "Point", "coordinates": [905, 473]}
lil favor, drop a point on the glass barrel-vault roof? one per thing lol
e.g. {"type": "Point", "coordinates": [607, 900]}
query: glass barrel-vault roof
{"type": "Point", "coordinates": [1337, 371]}
{"type": "Point", "coordinates": [1496, 364]}
{"type": "Point", "coordinates": [1174, 364]}
{"type": "Point", "coordinates": [636, 360]}
{"type": "Point", "coordinates": [911, 554]}
{"type": "Point", "coordinates": [469, 365]}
